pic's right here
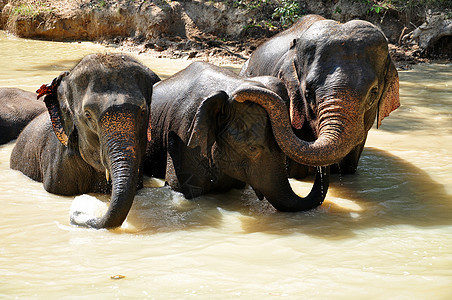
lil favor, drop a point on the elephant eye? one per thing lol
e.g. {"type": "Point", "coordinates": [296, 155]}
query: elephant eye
{"type": "Point", "coordinates": [309, 95]}
{"type": "Point", "coordinates": [372, 97]}
{"type": "Point", "coordinates": [253, 152]}
{"type": "Point", "coordinates": [88, 115]}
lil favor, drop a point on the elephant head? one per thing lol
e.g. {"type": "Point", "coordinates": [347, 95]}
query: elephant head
{"type": "Point", "coordinates": [236, 134]}
{"type": "Point", "coordinates": [339, 78]}
{"type": "Point", "coordinates": [100, 111]}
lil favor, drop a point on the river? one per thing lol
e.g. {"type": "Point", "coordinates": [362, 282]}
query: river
{"type": "Point", "coordinates": [384, 233]}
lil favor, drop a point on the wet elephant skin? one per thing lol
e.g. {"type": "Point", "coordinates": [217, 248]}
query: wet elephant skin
{"type": "Point", "coordinates": [339, 78]}
{"type": "Point", "coordinates": [94, 137]}
{"type": "Point", "coordinates": [17, 109]}
{"type": "Point", "coordinates": [209, 135]}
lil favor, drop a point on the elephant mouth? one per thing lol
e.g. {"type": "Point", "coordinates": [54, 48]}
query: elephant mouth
{"type": "Point", "coordinates": [258, 193]}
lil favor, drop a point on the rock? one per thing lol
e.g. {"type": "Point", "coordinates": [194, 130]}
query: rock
{"type": "Point", "coordinates": [149, 45]}
{"type": "Point", "coordinates": [433, 38]}
{"type": "Point", "coordinates": [159, 48]}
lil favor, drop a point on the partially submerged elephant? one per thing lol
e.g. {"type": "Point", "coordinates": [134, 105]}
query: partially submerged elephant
{"type": "Point", "coordinates": [339, 78]}
{"type": "Point", "coordinates": [17, 109]}
{"type": "Point", "coordinates": [209, 135]}
{"type": "Point", "coordinates": [99, 115]}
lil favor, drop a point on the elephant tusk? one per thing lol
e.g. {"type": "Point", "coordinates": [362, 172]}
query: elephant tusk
{"type": "Point", "coordinates": [107, 175]}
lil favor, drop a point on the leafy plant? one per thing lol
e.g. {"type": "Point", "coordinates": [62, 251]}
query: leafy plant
{"type": "Point", "coordinates": [288, 12]}
{"type": "Point", "coordinates": [30, 10]}
{"type": "Point", "coordinates": [249, 4]}
{"type": "Point", "coordinates": [402, 5]}
{"type": "Point", "coordinates": [377, 6]}
{"type": "Point", "coordinates": [270, 25]}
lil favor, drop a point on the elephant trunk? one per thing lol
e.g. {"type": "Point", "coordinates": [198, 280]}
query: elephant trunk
{"type": "Point", "coordinates": [339, 129]}
{"type": "Point", "coordinates": [124, 176]}
{"type": "Point", "coordinates": [120, 148]}
{"type": "Point", "coordinates": [284, 199]}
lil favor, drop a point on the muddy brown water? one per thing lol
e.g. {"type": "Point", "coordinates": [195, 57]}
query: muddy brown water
{"type": "Point", "coordinates": [384, 233]}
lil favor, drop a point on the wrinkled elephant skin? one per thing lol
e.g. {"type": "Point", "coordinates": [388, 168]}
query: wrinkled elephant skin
{"type": "Point", "coordinates": [17, 109]}
{"type": "Point", "coordinates": [94, 137]}
{"type": "Point", "coordinates": [209, 135]}
{"type": "Point", "coordinates": [339, 78]}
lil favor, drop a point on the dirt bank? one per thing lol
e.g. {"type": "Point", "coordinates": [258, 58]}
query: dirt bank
{"type": "Point", "coordinates": [216, 31]}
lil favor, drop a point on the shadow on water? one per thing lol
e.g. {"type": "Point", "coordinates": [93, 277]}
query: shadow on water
{"type": "Point", "coordinates": [387, 191]}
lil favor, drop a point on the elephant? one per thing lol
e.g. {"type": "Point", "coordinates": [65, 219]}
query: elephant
{"type": "Point", "coordinates": [17, 109]}
{"type": "Point", "coordinates": [93, 138]}
{"type": "Point", "coordinates": [213, 131]}
{"type": "Point", "coordinates": [339, 77]}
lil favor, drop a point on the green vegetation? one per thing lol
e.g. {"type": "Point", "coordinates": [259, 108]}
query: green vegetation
{"type": "Point", "coordinates": [376, 6]}
{"type": "Point", "coordinates": [284, 12]}
{"type": "Point", "coordinates": [99, 4]}
{"type": "Point", "coordinates": [249, 4]}
{"type": "Point", "coordinates": [30, 10]}
{"type": "Point", "coordinates": [288, 12]}
{"type": "Point", "coordinates": [405, 5]}
{"type": "Point", "coordinates": [425, 3]}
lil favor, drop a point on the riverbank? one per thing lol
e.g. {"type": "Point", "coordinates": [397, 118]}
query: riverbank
{"type": "Point", "coordinates": [238, 52]}
{"type": "Point", "coordinates": [221, 32]}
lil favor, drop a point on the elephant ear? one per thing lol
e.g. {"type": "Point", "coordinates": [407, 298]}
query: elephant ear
{"type": "Point", "coordinates": [389, 100]}
{"type": "Point", "coordinates": [289, 75]}
{"type": "Point", "coordinates": [202, 128]}
{"type": "Point", "coordinates": [147, 80]}
{"type": "Point", "coordinates": [50, 94]}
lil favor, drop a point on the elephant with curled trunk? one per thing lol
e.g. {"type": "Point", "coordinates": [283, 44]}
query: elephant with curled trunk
{"type": "Point", "coordinates": [339, 78]}
{"type": "Point", "coordinates": [213, 131]}
{"type": "Point", "coordinates": [17, 109]}
{"type": "Point", "coordinates": [93, 138]}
